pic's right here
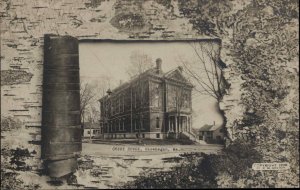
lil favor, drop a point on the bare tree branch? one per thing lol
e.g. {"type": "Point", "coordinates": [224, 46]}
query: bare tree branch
{"type": "Point", "coordinates": [90, 93]}
{"type": "Point", "coordinates": [196, 77]}
{"type": "Point", "coordinates": [209, 83]}
{"type": "Point", "coordinates": [140, 62]}
{"type": "Point", "coordinates": [202, 61]}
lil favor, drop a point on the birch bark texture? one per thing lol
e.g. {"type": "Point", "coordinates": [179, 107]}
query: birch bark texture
{"type": "Point", "coordinates": [61, 125]}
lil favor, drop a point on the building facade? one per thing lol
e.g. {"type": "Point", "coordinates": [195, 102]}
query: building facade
{"type": "Point", "coordinates": [152, 105]}
{"type": "Point", "coordinates": [212, 133]}
{"type": "Point", "coordinates": [91, 130]}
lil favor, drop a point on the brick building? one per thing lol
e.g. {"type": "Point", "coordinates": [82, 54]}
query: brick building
{"type": "Point", "coordinates": [154, 105]}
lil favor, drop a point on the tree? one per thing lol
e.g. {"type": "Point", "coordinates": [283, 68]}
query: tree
{"type": "Point", "coordinates": [262, 47]}
{"type": "Point", "coordinates": [90, 93]}
{"type": "Point", "coordinates": [140, 62]}
{"type": "Point", "coordinates": [86, 96]}
{"type": "Point", "coordinates": [205, 71]}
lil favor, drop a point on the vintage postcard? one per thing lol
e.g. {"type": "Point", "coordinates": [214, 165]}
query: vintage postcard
{"type": "Point", "coordinates": [153, 94]}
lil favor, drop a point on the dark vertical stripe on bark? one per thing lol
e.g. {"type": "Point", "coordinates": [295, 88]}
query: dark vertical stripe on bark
{"type": "Point", "coordinates": [61, 131]}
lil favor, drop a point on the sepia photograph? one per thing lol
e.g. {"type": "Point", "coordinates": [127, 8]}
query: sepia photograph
{"type": "Point", "coordinates": [149, 94]}
{"type": "Point", "coordinates": [151, 90]}
{"type": "Point", "coordinates": [155, 99]}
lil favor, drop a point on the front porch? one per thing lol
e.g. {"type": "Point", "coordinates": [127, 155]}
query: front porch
{"type": "Point", "coordinates": [177, 124]}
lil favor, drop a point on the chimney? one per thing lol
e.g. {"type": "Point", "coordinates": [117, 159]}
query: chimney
{"type": "Point", "coordinates": [180, 69]}
{"type": "Point", "coordinates": [214, 123]}
{"type": "Point", "coordinates": [158, 65]}
{"type": "Point", "coordinates": [109, 92]}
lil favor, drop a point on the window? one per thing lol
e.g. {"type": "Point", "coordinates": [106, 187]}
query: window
{"type": "Point", "coordinates": [119, 103]}
{"type": "Point", "coordinates": [185, 100]}
{"type": "Point", "coordinates": [141, 95]}
{"type": "Point", "coordinates": [143, 135]}
{"type": "Point", "coordinates": [124, 135]}
{"type": "Point", "coordinates": [123, 103]}
{"type": "Point", "coordinates": [143, 123]}
{"type": "Point", "coordinates": [209, 134]}
{"type": "Point", "coordinates": [113, 107]}
{"type": "Point", "coordinates": [135, 124]}
{"type": "Point", "coordinates": [105, 109]}
{"type": "Point", "coordinates": [88, 132]}
{"type": "Point", "coordinates": [94, 131]}
{"type": "Point", "coordinates": [156, 102]}
{"type": "Point", "coordinates": [157, 122]}
{"type": "Point", "coordinates": [134, 94]}
{"type": "Point", "coordinates": [157, 135]}
{"type": "Point", "coordinates": [123, 124]}
{"type": "Point", "coordinates": [174, 101]}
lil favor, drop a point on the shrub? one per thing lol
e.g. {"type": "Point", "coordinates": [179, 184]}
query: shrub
{"type": "Point", "coordinates": [199, 170]}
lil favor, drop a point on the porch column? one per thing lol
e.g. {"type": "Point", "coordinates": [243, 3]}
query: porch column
{"type": "Point", "coordinates": [189, 124]}
{"type": "Point", "coordinates": [175, 124]}
{"type": "Point", "coordinates": [169, 124]}
{"type": "Point", "coordinates": [179, 124]}
{"type": "Point", "coordinates": [185, 123]}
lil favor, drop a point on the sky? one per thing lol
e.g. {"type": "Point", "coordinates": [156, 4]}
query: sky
{"type": "Point", "coordinates": [111, 60]}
